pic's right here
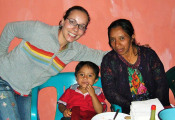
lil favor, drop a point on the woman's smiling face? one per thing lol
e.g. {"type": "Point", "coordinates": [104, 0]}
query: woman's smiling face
{"type": "Point", "coordinates": [73, 32]}
{"type": "Point", "coordinates": [120, 41]}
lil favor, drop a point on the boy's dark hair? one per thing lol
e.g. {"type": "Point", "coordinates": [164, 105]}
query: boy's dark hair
{"type": "Point", "coordinates": [90, 64]}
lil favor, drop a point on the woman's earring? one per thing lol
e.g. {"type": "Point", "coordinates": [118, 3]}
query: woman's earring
{"type": "Point", "coordinates": [60, 24]}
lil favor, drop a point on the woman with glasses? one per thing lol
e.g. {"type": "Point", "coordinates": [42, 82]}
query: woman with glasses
{"type": "Point", "coordinates": [43, 52]}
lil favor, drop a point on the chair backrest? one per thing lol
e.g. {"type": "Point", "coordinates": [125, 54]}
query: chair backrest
{"type": "Point", "coordinates": [170, 74]}
{"type": "Point", "coordinates": [59, 81]}
{"type": "Point", "coordinates": [167, 114]}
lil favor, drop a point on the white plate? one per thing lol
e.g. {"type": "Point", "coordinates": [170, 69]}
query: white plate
{"type": "Point", "coordinates": [109, 116]}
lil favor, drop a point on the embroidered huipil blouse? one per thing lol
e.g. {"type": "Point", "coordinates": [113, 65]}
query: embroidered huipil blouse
{"type": "Point", "coordinates": [123, 82]}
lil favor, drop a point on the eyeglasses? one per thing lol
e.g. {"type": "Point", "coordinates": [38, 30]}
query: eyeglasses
{"type": "Point", "coordinates": [74, 23]}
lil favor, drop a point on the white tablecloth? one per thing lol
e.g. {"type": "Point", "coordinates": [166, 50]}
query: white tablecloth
{"type": "Point", "coordinates": [141, 110]}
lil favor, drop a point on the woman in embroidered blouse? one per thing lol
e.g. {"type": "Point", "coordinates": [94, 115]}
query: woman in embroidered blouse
{"type": "Point", "coordinates": [130, 72]}
{"type": "Point", "coordinates": [43, 52]}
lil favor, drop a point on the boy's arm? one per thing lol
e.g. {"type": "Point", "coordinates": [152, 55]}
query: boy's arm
{"type": "Point", "coordinates": [61, 107]}
{"type": "Point", "coordinates": [66, 112]}
{"type": "Point", "coordinates": [96, 103]}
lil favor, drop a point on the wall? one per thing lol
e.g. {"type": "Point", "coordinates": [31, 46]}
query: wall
{"type": "Point", "coordinates": [154, 21]}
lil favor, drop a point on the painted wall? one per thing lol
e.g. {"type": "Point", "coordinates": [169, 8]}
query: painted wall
{"type": "Point", "coordinates": [154, 22]}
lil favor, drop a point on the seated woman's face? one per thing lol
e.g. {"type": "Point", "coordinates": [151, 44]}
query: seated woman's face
{"type": "Point", "coordinates": [120, 41]}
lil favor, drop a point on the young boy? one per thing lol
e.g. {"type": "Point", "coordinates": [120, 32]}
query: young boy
{"type": "Point", "coordinates": [82, 100]}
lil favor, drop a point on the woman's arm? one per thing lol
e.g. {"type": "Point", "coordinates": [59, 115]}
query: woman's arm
{"type": "Point", "coordinates": [84, 53]}
{"type": "Point", "coordinates": [159, 76]}
{"type": "Point", "coordinates": [21, 30]}
{"type": "Point", "coordinates": [109, 80]}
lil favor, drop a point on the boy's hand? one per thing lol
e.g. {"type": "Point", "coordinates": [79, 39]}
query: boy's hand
{"type": "Point", "coordinates": [67, 113]}
{"type": "Point", "coordinates": [90, 89]}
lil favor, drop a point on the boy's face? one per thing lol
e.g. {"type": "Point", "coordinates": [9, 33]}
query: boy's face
{"type": "Point", "coordinates": [86, 76]}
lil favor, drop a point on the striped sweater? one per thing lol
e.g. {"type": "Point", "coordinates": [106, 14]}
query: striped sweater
{"type": "Point", "coordinates": [37, 57]}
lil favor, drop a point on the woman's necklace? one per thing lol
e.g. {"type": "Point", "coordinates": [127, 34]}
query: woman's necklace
{"type": "Point", "coordinates": [132, 58]}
